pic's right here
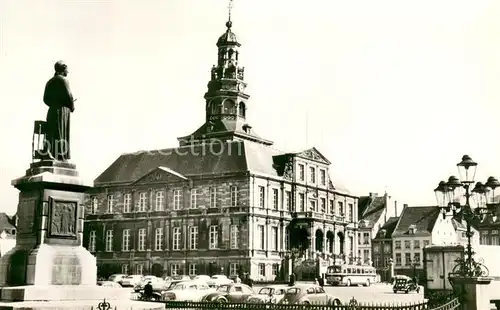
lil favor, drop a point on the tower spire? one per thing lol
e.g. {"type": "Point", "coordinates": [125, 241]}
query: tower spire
{"type": "Point", "coordinates": [230, 7]}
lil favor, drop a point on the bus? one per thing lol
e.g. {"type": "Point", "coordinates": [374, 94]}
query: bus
{"type": "Point", "coordinates": [350, 275]}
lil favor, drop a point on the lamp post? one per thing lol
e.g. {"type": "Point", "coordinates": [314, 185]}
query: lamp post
{"type": "Point", "coordinates": [449, 195]}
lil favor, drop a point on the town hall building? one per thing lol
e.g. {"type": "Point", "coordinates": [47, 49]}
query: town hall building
{"type": "Point", "coordinates": [222, 201]}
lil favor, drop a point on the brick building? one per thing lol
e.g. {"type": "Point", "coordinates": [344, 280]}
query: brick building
{"type": "Point", "coordinates": [221, 202]}
{"type": "Point", "coordinates": [382, 248]}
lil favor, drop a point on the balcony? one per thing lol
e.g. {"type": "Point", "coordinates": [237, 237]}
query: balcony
{"type": "Point", "coordinates": [319, 216]}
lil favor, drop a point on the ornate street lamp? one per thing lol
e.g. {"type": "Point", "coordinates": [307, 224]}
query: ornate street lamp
{"type": "Point", "coordinates": [449, 195]}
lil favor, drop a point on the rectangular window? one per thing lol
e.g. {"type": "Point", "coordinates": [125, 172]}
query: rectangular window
{"type": "Point", "coordinates": [494, 237]}
{"type": "Point", "coordinates": [193, 269]}
{"type": "Point", "coordinates": [193, 237]}
{"type": "Point", "coordinates": [158, 239]}
{"type": "Point", "coordinates": [398, 259]}
{"type": "Point", "coordinates": [302, 206]}
{"type": "Point", "coordinates": [312, 173]}
{"type": "Point", "coordinates": [332, 207]}
{"type": "Point", "coordinates": [376, 248]}
{"type": "Point", "coordinates": [275, 268]}
{"type": "Point", "coordinates": [484, 239]}
{"type": "Point", "coordinates": [275, 199]}
{"type": "Point", "coordinates": [111, 199]}
{"type": "Point", "coordinates": [141, 243]}
{"type": "Point", "coordinates": [322, 174]}
{"type": "Point", "coordinates": [139, 269]}
{"type": "Point", "coordinates": [288, 200]}
{"type": "Point", "coordinates": [159, 201]}
{"type": "Point", "coordinates": [426, 243]}
{"type": "Point", "coordinates": [127, 203]}
{"type": "Point", "coordinates": [92, 239]}
{"type": "Point", "coordinates": [235, 236]}
{"type": "Point", "coordinates": [359, 238]}
{"type": "Point", "coordinates": [322, 206]}
{"type": "Point", "coordinates": [407, 245]}
{"type": "Point", "coordinates": [176, 238]}
{"type": "Point", "coordinates": [397, 245]}
{"type": "Point", "coordinates": [312, 205]}
{"type": "Point", "coordinates": [177, 199]}
{"type": "Point", "coordinates": [274, 238]}
{"type": "Point", "coordinates": [141, 206]}
{"type": "Point", "coordinates": [213, 197]}
{"type": "Point", "coordinates": [94, 205]}
{"type": "Point", "coordinates": [175, 269]}
{"type": "Point", "coordinates": [194, 198]}
{"type": "Point", "coordinates": [366, 255]}
{"type": "Point", "coordinates": [416, 244]}
{"type": "Point", "coordinates": [262, 270]}
{"type": "Point", "coordinates": [341, 208]}
{"type": "Point", "coordinates": [351, 212]}
{"type": "Point", "coordinates": [125, 268]}
{"type": "Point", "coordinates": [233, 269]}
{"type": "Point", "coordinates": [366, 238]}
{"type": "Point", "coordinates": [262, 197]}
{"type": "Point", "coordinates": [416, 259]}
{"type": "Point", "coordinates": [234, 196]}
{"type": "Point", "coordinates": [126, 240]}
{"type": "Point", "coordinates": [407, 259]}
{"type": "Point", "coordinates": [261, 237]}
{"type": "Point", "coordinates": [301, 172]}
{"type": "Point", "coordinates": [109, 241]}
{"type": "Point", "coordinates": [214, 237]}
{"type": "Point", "coordinates": [287, 239]}
{"type": "Point", "coordinates": [387, 248]}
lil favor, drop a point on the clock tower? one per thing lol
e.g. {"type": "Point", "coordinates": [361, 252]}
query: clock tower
{"type": "Point", "coordinates": [225, 99]}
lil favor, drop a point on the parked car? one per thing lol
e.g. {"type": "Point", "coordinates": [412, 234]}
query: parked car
{"type": "Point", "coordinates": [118, 277]}
{"type": "Point", "coordinates": [132, 280]}
{"type": "Point", "coordinates": [308, 294]}
{"type": "Point", "coordinates": [269, 294]}
{"type": "Point", "coordinates": [181, 278]}
{"type": "Point", "coordinates": [110, 284]}
{"type": "Point", "coordinates": [158, 284]}
{"type": "Point", "coordinates": [218, 280]}
{"type": "Point", "coordinates": [204, 278]}
{"type": "Point", "coordinates": [187, 291]}
{"type": "Point", "coordinates": [234, 292]}
{"type": "Point", "coordinates": [405, 284]}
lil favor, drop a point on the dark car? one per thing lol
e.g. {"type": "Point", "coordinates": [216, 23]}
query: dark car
{"type": "Point", "coordinates": [234, 292]}
{"type": "Point", "coordinates": [405, 284]}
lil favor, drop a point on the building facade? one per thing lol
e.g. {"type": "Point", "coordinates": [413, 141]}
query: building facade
{"type": "Point", "coordinates": [224, 201]}
{"type": "Point", "coordinates": [373, 213]}
{"type": "Point", "coordinates": [382, 246]}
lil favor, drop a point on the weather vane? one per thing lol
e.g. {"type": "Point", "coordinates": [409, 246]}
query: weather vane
{"type": "Point", "coordinates": [230, 7]}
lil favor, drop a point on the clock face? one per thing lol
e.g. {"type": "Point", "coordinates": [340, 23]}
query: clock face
{"type": "Point", "coordinates": [241, 87]}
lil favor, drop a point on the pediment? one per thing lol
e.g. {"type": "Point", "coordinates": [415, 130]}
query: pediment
{"type": "Point", "coordinates": [315, 155]}
{"type": "Point", "coordinates": [160, 175]}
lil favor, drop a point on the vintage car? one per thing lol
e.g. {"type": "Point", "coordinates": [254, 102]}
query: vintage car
{"type": "Point", "coordinates": [218, 280]}
{"type": "Point", "coordinates": [405, 284]}
{"type": "Point", "coordinates": [158, 284]}
{"type": "Point", "coordinates": [269, 294]}
{"type": "Point", "coordinates": [234, 292]}
{"type": "Point", "coordinates": [309, 294]}
{"type": "Point", "coordinates": [132, 280]}
{"type": "Point", "coordinates": [110, 284]}
{"type": "Point", "coordinates": [118, 277]}
{"type": "Point", "coordinates": [187, 291]}
{"type": "Point", "coordinates": [203, 278]}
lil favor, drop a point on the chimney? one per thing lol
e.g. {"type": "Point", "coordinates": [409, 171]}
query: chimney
{"type": "Point", "coordinates": [395, 208]}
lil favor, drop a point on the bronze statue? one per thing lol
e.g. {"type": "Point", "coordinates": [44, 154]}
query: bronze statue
{"type": "Point", "coordinates": [58, 97]}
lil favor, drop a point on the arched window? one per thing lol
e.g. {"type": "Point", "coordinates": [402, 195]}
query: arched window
{"type": "Point", "coordinates": [229, 107]}
{"type": "Point", "coordinates": [241, 109]}
{"type": "Point", "coordinates": [216, 108]}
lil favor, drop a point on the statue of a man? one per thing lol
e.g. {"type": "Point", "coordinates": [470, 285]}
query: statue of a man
{"type": "Point", "coordinates": [58, 97]}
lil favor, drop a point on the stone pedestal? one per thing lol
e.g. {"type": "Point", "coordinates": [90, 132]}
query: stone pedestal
{"type": "Point", "coordinates": [49, 262]}
{"type": "Point", "coordinates": [472, 291]}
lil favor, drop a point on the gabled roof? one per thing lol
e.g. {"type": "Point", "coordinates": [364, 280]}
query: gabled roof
{"type": "Point", "coordinates": [423, 219]}
{"type": "Point", "coordinates": [370, 209]}
{"type": "Point", "coordinates": [313, 154]}
{"type": "Point", "coordinates": [6, 222]}
{"type": "Point", "coordinates": [388, 227]}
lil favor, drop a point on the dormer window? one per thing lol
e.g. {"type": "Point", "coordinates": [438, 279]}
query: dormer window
{"type": "Point", "coordinates": [412, 229]}
{"type": "Point", "coordinates": [13, 232]}
{"type": "Point", "coordinates": [382, 233]}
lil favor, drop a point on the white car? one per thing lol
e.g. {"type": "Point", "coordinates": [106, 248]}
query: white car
{"type": "Point", "coordinates": [118, 277]}
{"type": "Point", "coordinates": [203, 278]}
{"type": "Point", "coordinates": [131, 280]}
{"type": "Point", "coordinates": [269, 294]}
{"type": "Point", "coordinates": [187, 291]}
{"type": "Point", "coordinates": [218, 280]}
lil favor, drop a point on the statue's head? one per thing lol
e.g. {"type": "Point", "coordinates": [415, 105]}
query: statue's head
{"type": "Point", "coordinates": [61, 68]}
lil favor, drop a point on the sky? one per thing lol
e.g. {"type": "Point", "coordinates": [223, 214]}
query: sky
{"type": "Point", "coordinates": [393, 93]}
